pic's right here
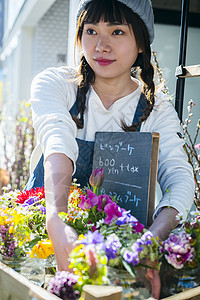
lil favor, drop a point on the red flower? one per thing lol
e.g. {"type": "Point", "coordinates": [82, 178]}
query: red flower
{"type": "Point", "coordinates": [23, 196]}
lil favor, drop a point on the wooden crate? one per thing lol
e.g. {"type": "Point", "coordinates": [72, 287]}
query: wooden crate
{"type": "Point", "coordinates": [193, 294]}
{"type": "Point", "coordinates": [14, 286]}
{"type": "Point", "coordinates": [94, 293]}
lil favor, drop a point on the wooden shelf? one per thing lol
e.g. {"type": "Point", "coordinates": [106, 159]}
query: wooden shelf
{"type": "Point", "coordinates": [188, 71]}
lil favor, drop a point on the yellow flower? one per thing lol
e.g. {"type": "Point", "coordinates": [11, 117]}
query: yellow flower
{"type": "Point", "coordinates": [11, 229]}
{"type": "Point", "coordinates": [81, 237]}
{"type": "Point", "coordinates": [42, 249]}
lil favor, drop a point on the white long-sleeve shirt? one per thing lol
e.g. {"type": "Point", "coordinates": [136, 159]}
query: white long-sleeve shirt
{"type": "Point", "coordinates": [53, 93]}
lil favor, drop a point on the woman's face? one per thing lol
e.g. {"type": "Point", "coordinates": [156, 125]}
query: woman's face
{"type": "Point", "coordinates": [110, 49]}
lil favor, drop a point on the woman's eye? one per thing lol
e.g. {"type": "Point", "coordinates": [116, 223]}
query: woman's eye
{"type": "Point", "coordinates": [118, 32]}
{"type": "Point", "coordinates": [91, 31]}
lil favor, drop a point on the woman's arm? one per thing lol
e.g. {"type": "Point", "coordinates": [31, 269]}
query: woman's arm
{"type": "Point", "coordinates": [164, 223]}
{"type": "Point", "coordinates": [175, 174]}
{"type": "Point", "coordinates": [58, 176]}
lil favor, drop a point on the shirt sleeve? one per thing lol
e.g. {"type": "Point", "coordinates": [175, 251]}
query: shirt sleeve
{"type": "Point", "coordinates": [175, 174]}
{"type": "Point", "coordinates": [52, 95]}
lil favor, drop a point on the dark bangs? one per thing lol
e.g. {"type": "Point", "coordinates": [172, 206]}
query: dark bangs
{"type": "Point", "coordinates": [110, 11]}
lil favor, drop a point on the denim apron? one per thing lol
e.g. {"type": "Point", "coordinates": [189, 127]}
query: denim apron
{"type": "Point", "coordinates": [85, 157]}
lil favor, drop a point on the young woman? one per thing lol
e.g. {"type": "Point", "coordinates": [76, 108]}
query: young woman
{"type": "Point", "coordinates": [113, 36]}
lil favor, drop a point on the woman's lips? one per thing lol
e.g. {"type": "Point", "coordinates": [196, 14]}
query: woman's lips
{"type": "Point", "coordinates": [103, 61]}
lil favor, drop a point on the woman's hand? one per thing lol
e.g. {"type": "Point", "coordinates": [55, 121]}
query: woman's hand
{"type": "Point", "coordinates": [63, 238]}
{"type": "Point", "coordinates": [58, 176]}
{"type": "Point", "coordinates": [161, 228]}
{"type": "Point", "coordinates": [153, 276]}
{"type": "Point", "coordinates": [150, 277]}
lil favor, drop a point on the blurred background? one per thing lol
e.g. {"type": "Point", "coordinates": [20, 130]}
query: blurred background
{"type": "Point", "coordinates": [37, 34]}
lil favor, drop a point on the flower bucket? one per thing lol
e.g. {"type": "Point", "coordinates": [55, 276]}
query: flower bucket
{"type": "Point", "coordinates": [13, 262]}
{"type": "Point", "coordinates": [174, 281]}
{"type": "Point", "coordinates": [133, 287]}
{"type": "Point", "coordinates": [31, 268]}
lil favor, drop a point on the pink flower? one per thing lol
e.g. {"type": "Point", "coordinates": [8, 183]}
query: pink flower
{"type": "Point", "coordinates": [93, 197]}
{"type": "Point", "coordinates": [197, 146]}
{"type": "Point", "coordinates": [91, 259]}
{"type": "Point", "coordinates": [178, 250]}
{"type": "Point", "coordinates": [88, 201]}
{"type": "Point", "coordinates": [112, 211]}
{"type": "Point", "coordinates": [103, 200]}
{"type": "Point", "coordinates": [138, 227]}
{"type": "Point", "coordinates": [85, 203]}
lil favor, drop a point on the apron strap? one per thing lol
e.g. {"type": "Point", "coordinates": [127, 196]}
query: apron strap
{"type": "Point", "coordinates": [142, 104]}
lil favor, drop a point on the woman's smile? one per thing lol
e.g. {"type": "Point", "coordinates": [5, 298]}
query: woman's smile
{"type": "Point", "coordinates": [104, 61]}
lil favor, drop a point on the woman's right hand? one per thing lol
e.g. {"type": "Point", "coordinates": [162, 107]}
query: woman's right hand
{"type": "Point", "coordinates": [58, 175]}
{"type": "Point", "coordinates": [63, 238]}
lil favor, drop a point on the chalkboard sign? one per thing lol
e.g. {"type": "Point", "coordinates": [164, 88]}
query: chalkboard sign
{"type": "Point", "coordinates": [127, 159]}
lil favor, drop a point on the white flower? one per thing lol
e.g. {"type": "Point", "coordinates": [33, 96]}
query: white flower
{"type": "Point", "coordinates": [179, 217]}
{"type": "Point", "coordinates": [194, 213]}
{"type": "Point", "coordinates": [98, 224]}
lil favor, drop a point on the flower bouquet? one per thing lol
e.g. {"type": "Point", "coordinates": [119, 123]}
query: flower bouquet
{"type": "Point", "coordinates": [181, 256]}
{"type": "Point", "coordinates": [111, 242]}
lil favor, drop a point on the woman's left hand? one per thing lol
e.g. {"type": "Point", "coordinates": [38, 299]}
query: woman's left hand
{"type": "Point", "coordinates": [148, 273]}
{"type": "Point", "coordinates": [153, 276]}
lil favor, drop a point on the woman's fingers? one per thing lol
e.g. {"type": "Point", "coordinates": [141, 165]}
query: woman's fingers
{"type": "Point", "coordinates": [63, 238]}
{"type": "Point", "coordinates": [153, 276]}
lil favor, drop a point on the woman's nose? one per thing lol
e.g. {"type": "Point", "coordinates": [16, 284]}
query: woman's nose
{"type": "Point", "coordinates": [103, 44]}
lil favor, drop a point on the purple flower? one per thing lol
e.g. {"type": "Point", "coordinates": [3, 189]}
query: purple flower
{"type": "Point", "coordinates": [178, 250]}
{"type": "Point", "coordinates": [131, 257]}
{"type": "Point", "coordinates": [62, 285]}
{"type": "Point", "coordinates": [42, 209]}
{"type": "Point", "coordinates": [96, 178]}
{"type": "Point", "coordinates": [147, 238]}
{"type": "Point", "coordinates": [128, 218]}
{"type": "Point", "coordinates": [88, 201]}
{"type": "Point", "coordinates": [30, 201]}
{"type": "Point", "coordinates": [138, 246]}
{"type": "Point", "coordinates": [112, 211]}
{"type": "Point", "coordinates": [112, 245]}
{"type": "Point", "coordinates": [92, 238]}
{"type": "Point", "coordinates": [8, 245]}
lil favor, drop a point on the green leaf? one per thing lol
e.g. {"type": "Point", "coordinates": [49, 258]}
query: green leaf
{"type": "Point", "coordinates": [128, 267]}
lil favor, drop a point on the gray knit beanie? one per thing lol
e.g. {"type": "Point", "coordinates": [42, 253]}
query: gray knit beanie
{"type": "Point", "coordinates": [142, 8]}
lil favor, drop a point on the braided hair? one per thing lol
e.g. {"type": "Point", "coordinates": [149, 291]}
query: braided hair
{"type": "Point", "coordinates": [114, 11]}
{"type": "Point", "coordinates": [86, 78]}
